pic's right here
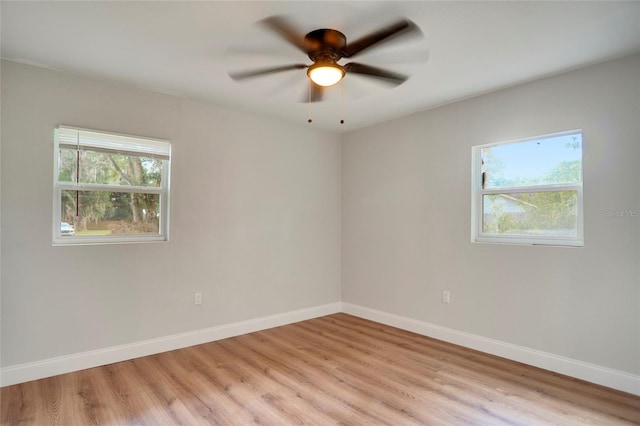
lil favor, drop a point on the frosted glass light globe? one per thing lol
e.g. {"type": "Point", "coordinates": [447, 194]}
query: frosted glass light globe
{"type": "Point", "coordinates": [325, 75]}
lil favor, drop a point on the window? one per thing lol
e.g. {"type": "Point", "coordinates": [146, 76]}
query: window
{"type": "Point", "coordinates": [529, 191]}
{"type": "Point", "coordinates": [109, 188]}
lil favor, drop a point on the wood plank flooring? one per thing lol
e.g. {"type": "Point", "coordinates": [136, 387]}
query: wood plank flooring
{"type": "Point", "coordinates": [337, 369]}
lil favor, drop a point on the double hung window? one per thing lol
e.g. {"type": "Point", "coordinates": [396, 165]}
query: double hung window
{"type": "Point", "coordinates": [529, 191]}
{"type": "Point", "coordinates": [109, 188]}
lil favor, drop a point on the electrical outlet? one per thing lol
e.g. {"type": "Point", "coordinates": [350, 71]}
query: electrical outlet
{"type": "Point", "coordinates": [197, 298]}
{"type": "Point", "coordinates": [446, 296]}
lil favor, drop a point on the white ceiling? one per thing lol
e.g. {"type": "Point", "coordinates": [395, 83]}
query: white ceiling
{"type": "Point", "coordinates": [187, 48]}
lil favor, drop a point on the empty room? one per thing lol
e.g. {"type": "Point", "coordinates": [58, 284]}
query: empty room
{"type": "Point", "coordinates": [322, 212]}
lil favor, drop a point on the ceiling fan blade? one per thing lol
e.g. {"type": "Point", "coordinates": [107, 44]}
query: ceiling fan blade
{"type": "Point", "coordinates": [386, 33]}
{"type": "Point", "coordinates": [314, 93]}
{"type": "Point", "coordinates": [317, 92]}
{"type": "Point", "coordinates": [259, 50]}
{"type": "Point", "coordinates": [242, 75]}
{"type": "Point", "coordinates": [368, 70]}
{"type": "Point", "coordinates": [283, 27]}
{"type": "Point", "coordinates": [394, 56]}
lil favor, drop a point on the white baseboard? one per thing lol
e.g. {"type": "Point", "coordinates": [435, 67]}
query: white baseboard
{"type": "Point", "coordinates": [66, 364]}
{"type": "Point", "coordinates": [615, 379]}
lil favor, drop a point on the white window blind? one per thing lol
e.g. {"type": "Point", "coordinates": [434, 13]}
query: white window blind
{"type": "Point", "coordinates": [74, 138]}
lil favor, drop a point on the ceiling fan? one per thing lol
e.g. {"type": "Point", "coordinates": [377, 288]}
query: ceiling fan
{"type": "Point", "coordinates": [326, 47]}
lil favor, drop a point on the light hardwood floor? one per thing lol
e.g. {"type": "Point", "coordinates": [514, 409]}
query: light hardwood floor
{"type": "Point", "coordinates": [337, 369]}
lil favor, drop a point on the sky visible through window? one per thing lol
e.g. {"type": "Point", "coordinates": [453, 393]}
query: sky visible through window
{"type": "Point", "coordinates": [531, 161]}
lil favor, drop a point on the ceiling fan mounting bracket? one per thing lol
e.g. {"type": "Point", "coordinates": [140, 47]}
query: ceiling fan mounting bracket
{"type": "Point", "coordinates": [326, 45]}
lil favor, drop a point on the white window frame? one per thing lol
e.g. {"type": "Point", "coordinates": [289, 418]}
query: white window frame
{"type": "Point", "coordinates": [478, 193]}
{"type": "Point", "coordinates": [98, 140]}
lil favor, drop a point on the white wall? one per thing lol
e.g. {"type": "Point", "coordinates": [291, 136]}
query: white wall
{"type": "Point", "coordinates": [255, 221]}
{"type": "Point", "coordinates": [406, 221]}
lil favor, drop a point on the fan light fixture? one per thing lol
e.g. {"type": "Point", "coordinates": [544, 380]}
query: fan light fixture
{"type": "Point", "coordinates": [325, 74]}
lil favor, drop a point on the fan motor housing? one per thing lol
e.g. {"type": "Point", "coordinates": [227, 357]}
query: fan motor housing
{"type": "Point", "coordinates": [326, 44]}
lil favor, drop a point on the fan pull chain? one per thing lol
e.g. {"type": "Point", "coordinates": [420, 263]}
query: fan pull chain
{"type": "Point", "coordinates": [310, 120]}
{"type": "Point", "coordinates": [342, 101]}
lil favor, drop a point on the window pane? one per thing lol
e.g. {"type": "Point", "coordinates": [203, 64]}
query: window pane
{"type": "Point", "coordinates": [552, 214]}
{"type": "Point", "coordinates": [544, 161]}
{"type": "Point", "coordinates": [67, 166]}
{"type": "Point", "coordinates": [103, 213]}
{"type": "Point", "coordinates": [97, 167]}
